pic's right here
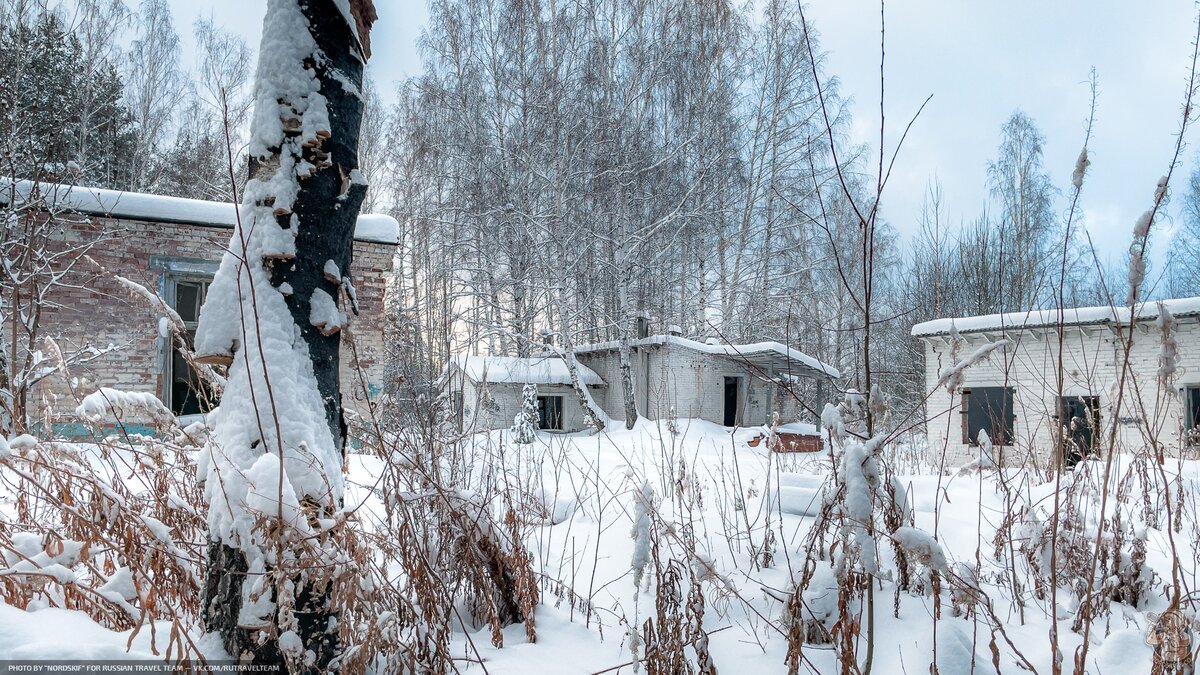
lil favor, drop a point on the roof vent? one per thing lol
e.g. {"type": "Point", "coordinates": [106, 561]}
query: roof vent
{"type": "Point", "coordinates": [675, 330]}
{"type": "Point", "coordinates": [712, 341]}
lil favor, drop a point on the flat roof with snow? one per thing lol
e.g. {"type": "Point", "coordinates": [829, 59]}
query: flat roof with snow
{"type": "Point", "coordinates": [773, 357]}
{"type": "Point", "coordinates": [517, 370]}
{"type": "Point", "coordinates": [161, 209]}
{"type": "Point", "coordinates": [1076, 316]}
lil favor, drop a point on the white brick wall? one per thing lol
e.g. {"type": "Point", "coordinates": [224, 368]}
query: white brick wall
{"type": "Point", "coordinates": [495, 405]}
{"type": "Point", "coordinates": [690, 381]}
{"type": "Point", "coordinates": [664, 377]}
{"type": "Point", "coordinates": [1092, 357]}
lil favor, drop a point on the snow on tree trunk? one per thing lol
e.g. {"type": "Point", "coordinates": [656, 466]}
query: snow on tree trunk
{"type": "Point", "coordinates": [282, 400]}
{"type": "Point", "coordinates": [6, 397]}
{"type": "Point", "coordinates": [595, 414]}
{"type": "Point", "coordinates": [597, 417]}
{"type": "Point", "coordinates": [628, 326]}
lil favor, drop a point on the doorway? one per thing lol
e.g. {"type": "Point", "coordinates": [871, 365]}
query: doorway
{"type": "Point", "coordinates": [733, 387]}
{"type": "Point", "coordinates": [1079, 417]}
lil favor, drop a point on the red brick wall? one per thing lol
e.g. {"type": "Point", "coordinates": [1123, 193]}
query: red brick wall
{"type": "Point", "coordinates": [93, 309]}
{"type": "Point", "coordinates": [797, 443]}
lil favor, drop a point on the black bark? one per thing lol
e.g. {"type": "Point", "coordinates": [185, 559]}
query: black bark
{"type": "Point", "coordinates": [327, 209]}
{"type": "Point", "coordinates": [328, 203]}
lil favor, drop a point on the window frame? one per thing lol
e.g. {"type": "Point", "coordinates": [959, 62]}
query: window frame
{"type": "Point", "coordinates": [543, 407]}
{"type": "Point", "coordinates": [1191, 415]}
{"type": "Point", "coordinates": [965, 408]}
{"type": "Point", "coordinates": [1091, 404]}
{"type": "Point", "coordinates": [175, 271]}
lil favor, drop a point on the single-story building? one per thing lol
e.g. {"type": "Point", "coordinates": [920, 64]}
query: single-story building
{"type": "Point", "coordinates": [673, 378]}
{"type": "Point", "coordinates": [1018, 398]}
{"type": "Point", "coordinates": [488, 391]}
{"type": "Point", "coordinates": [173, 247]}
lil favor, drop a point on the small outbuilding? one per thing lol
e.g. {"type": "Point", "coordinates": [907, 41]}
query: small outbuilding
{"type": "Point", "coordinates": [1060, 372]}
{"type": "Point", "coordinates": [673, 378]}
{"type": "Point", "coordinates": [726, 384]}
{"type": "Point", "coordinates": [487, 392]}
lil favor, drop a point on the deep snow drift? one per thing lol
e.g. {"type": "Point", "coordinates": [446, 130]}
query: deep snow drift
{"type": "Point", "coordinates": [749, 513]}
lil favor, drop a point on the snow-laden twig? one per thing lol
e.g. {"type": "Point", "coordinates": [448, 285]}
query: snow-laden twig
{"type": "Point", "coordinates": [951, 376]}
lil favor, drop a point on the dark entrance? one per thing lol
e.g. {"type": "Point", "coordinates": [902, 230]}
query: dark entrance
{"type": "Point", "coordinates": [1080, 418]}
{"type": "Point", "coordinates": [732, 386]}
{"type": "Point", "coordinates": [188, 394]}
{"type": "Point", "coordinates": [550, 412]}
{"type": "Point", "coordinates": [1191, 416]}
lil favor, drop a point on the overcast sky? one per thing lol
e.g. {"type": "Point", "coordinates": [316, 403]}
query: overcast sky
{"type": "Point", "coordinates": [981, 60]}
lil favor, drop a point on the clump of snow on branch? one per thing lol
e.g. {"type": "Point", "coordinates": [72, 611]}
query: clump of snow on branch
{"type": "Point", "coordinates": [951, 376]}
{"type": "Point", "coordinates": [860, 472]}
{"type": "Point", "coordinates": [986, 459]}
{"type": "Point", "coordinates": [922, 547]}
{"type": "Point", "coordinates": [107, 403]}
{"type": "Point", "coordinates": [1168, 355]}
{"type": "Point", "coordinates": [831, 422]}
{"type": "Point", "coordinates": [1141, 230]}
{"type": "Point", "coordinates": [1081, 167]}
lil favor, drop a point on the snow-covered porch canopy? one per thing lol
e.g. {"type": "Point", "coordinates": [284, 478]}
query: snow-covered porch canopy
{"type": "Point", "coordinates": [158, 208]}
{"type": "Point", "coordinates": [770, 359]}
{"type": "Point", "coordinates": [549, 369]}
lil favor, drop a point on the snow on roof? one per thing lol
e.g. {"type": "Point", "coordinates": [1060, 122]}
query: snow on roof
{"type": "Point", "coordinates": [1076, 316]}
{"type": "Point", "coordinates": [159, 208]}
{"type": "Point", "coordinates": [776, 353]}
{"type": "Point", "coordinates": [518, 370]}
{"type": "Point", "coordinates": [798, 428]}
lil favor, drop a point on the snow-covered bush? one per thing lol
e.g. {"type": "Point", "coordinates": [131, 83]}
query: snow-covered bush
{"type": "Point", "coordinates": [112, 529]}
{"type": "Point", "coordinates": [524, 428]}
{"type": "Point", "coordinates": [1057, 546]}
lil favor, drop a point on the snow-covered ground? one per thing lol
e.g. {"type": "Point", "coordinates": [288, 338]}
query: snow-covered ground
{"type": "Point", "coordinates": [743, 507]}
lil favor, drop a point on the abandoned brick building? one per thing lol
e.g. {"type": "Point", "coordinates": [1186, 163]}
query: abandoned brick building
{"type": "Point", "coordinates": [173, 247]}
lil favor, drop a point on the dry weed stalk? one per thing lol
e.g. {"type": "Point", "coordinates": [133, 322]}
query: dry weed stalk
{"type": "Point", "coordinates": [114, 529]}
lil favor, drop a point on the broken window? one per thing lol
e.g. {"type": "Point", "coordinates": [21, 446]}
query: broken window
{"type": "Point", "coordinates": [1191, 415]}
{"type": "Point", "coordinates": [988, 409]}
{"type": "Point", "coordinates": [188, 394]}
{"type": "Point", "coordinates": [1079, 420]}
{"type": "Point", "coordinates": [550, 412]}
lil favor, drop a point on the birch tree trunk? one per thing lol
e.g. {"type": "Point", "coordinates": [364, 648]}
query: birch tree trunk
{"type": "Point", "coordinates": [273, 471]}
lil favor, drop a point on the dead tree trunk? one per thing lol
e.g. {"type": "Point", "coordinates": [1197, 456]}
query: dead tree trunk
{"type": "Point", "coordinates": [274, 314]}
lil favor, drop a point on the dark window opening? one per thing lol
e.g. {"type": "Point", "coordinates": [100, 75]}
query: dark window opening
{"type": "Point", "coordinates": [1079, 421]}
{"type": "Point", "coordinates": [1192, 415]}
{"type": "Point", "coordinates": [550, 412]}
{"type": "Point", "coordinates": [189, 395]}
{"type": "Point", "coordinates": [733, 386]}
{"type": "Point", "coordinates": [988, 409]}
{"type": "Point", "coordinates": [456, 408]}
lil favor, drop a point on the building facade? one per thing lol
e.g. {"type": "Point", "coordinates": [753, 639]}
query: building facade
{"type": "Point", "coordinates": [171, 246]}
{"type": "Point", "coordinates": [673, 378]}
{"type": "Point", "coordinates": [1054, 391]}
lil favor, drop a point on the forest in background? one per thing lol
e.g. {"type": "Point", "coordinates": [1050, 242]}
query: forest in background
{"type": "Point", "coordinates": [567, 168]}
